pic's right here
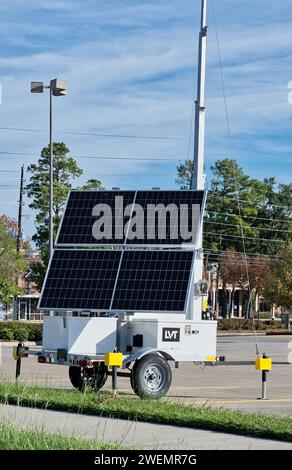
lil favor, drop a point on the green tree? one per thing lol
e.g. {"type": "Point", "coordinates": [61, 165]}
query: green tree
{"type": "Point", "coordinates": [92, 183]}
{"type": "Point", "coordinates": [237, 203]}
{"type": "Point", "coordinates": [278, 280]}
{"type": "Point", "coordinates": [274, 217]}
{"type": "Point", "coordinates": [223, 220]}
{"type": "Point", "coordinates": [11, 263]}
{"type": "Point", "coordinates": [184, 174]}
{"type": "Point", "coordinates": [65, 170]}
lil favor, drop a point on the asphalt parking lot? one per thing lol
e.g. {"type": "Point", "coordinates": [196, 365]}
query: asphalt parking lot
{"type": "Point", "coordinates": [231, 386]}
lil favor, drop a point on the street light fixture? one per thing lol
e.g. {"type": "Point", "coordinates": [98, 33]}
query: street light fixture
{"type": "Point", "coordinates": [56, 87]}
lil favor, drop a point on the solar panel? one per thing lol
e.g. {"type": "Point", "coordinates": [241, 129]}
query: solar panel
{"type": "Point", "coordinates": [80, 216]}
{"type": "Point", "coordinates": [153, 281]}
{"type": "Point", "coordinates": [167, 218]}
{"type": "Point", "coordinates": [102, 280]}
{"type": "Point", "coordinates": [80, 280]}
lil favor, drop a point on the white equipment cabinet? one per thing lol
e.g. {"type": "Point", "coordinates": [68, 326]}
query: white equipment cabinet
{"type": "Point", "coordinates": [80, 336]}
{"type": "Point", "coordinates": [180, 339]}
{"type": "Point", "coordinates": [177, 338]}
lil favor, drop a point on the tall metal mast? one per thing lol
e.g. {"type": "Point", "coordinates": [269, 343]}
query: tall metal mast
{"type": "Point", "coordinates": [199, 144]}
{"type": "Point", "coordinates": [198, 177]}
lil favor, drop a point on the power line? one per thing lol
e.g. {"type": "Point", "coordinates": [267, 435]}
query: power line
{"type": "Point", "coordinates": [224, 253]}
{"type": "Point", "coordinates": [246, 149]}
{"type": "Point", "coordinates": [95, 134]}
{"type": "Point", "coordinates": [248, 227]}
{"type": "Point", "coordinates": [22, 154]}
{"type": "Point", "coordinates": [139, 137]}
{"type": "Point", "coordinates": [247, 238]}
{"type": "Point", "coordinates": [247, 216]}
{"type": "Point", "coordinates": [230, 198]}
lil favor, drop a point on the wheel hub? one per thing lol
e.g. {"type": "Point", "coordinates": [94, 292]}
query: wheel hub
{"type": "Point", "coordinates": [153, 378]}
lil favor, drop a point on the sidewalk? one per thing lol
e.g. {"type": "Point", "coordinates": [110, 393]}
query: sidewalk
{"type": "Point", "coordinates": [134, 434]}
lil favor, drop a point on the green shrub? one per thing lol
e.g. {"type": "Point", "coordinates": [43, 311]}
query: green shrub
{"type": "Point", "coordinates": [6, 333]}
{"type": "Point", "coordinates": [21, 333]}
{"type": "Point", "coordinates": [35, 333]}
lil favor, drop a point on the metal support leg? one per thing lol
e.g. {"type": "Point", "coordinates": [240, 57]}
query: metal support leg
{"type": "Point", "coordinates": [264, 385]}
{"type": "Point", "coordinates": [114, 380]}
{"type": "Point", "coordinates": [18, 360]}
{"type": "Point", "coordinates": [18, 368]}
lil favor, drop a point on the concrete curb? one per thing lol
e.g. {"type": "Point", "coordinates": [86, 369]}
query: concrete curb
{"type": "Point", "coordinates": [241, 334]}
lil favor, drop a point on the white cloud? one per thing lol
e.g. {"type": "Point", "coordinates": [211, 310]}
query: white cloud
{"type": "Point", "coordinates": [130, 68]}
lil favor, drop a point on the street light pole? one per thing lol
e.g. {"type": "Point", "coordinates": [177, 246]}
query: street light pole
{"type": "Point", "coordinates": [51, 180]}
{"type": "Point", "coordinates": [56, 88]}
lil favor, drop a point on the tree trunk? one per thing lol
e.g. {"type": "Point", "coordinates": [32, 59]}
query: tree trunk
{"type": "Point", "coordinates": [231, 303]}
{"type": "Point", "coordinates": [224, 302]}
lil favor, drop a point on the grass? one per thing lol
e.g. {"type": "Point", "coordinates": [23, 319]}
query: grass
{"type": "Point", "coordinates": [15, 438]}
{"type": "Point", "coordinates": [147, 410]}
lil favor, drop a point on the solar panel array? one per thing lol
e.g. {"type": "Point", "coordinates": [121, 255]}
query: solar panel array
{"type": "Point", "coordinates": [103, 280]}
{"type": "Point", "coordinates": [129, 278]}
{"type": "Point", "coordinates": [82, 216]}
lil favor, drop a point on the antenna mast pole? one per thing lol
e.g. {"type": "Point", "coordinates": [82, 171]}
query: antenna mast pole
{"type": "Point", "coordinates": [198, 177]}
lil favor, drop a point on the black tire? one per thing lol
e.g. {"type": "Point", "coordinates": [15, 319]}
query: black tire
{"type": "Point", "coordinates": [83, 377]}
{"type": "Point", "coordinates": [151, 376]}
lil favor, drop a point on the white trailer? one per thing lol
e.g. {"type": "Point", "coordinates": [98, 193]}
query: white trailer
{"type": "Point", "coordinates": [147, 343]}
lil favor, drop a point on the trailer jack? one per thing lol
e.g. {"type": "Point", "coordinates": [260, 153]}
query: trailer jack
{"type": "Point", "coordinates": [19, 351]}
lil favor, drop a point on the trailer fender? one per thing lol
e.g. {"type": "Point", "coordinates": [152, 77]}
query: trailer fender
{"type": "Point", "coordinates": [142, 352]}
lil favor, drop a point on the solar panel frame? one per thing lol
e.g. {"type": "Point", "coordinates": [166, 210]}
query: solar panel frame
{"type": "Point", "coordinates": [165, 244]}
{"type": "Point", "coordinates": [108, 299]}
{"type": "Point", "coordinates": [126, 242]}
{"type": "Point", "coordinates": [121, 253]}
{"type": "Point", "coordinates": [182, 310]}
{"type": "Point", "coordinates": [94, 243]}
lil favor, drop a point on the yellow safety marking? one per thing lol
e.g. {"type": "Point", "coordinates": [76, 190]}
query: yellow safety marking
{"type": "Point", "coordinates": [14, 353]}
{"type": "Point", "coordinates": [206, 387]}
{"type": "Point", "coordinates": [223, 387]}
{"type": "Point", "coordinates": [113, 359]}
{"type": "Point", "coordinates": [219, 402]}
{"type": "Point", "coordinates": [263, 363]}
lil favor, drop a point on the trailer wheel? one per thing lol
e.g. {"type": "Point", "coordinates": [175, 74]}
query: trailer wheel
{"type": "Point", "coordinates": [83, 377]}
{"type": "Point", "coordinates": [151, 376]}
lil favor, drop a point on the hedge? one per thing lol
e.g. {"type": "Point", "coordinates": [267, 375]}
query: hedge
{"type": "Point", "coordinates": [15, 330]}
{"type": "Point", "coordinates": [248, 324]}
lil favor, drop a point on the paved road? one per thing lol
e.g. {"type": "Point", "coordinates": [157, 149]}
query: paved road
{"type": "Point", "coordinates": [236, 387]}
{"type": "Point", "coordinates": [130, 433]}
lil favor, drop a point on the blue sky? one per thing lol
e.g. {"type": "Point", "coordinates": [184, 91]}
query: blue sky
{"type": "Point", "coordinates": [130, 66]}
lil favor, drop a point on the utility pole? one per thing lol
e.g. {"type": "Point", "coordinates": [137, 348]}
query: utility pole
{"type": "Point", "coordinates": [198, 177]}
{"type": "Point", "coordinates": [19, 231]}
